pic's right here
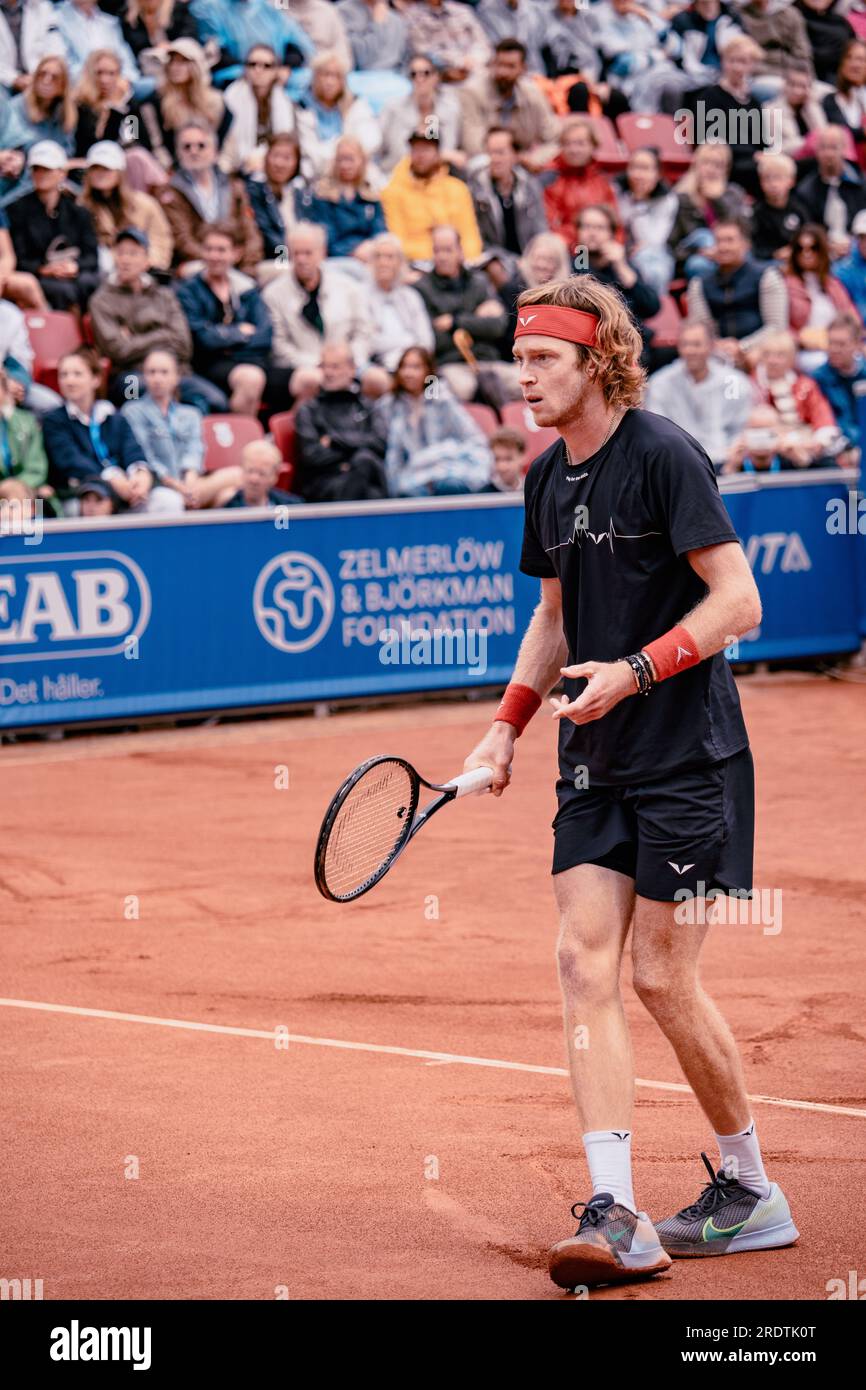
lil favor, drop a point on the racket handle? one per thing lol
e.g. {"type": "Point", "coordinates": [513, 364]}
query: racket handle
{"type": "Point", "coordinates": [470, 783]}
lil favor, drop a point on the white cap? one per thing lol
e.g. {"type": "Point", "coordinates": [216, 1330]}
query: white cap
{"type": "Point", "coordinates": [858, 226]}
{"type": "Point", "coordinates": [107, 155]}
{"type": "Point", "coordinates": [47, 154]}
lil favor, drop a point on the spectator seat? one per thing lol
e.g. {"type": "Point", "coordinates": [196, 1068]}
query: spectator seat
{"type": "Point", "coordinates": [483, 415]}
{"type": "Point", "coordinates": [637, 129]}
{"type": "Point", "coordinates": [519, 417]}
{"type": "Point", "coordinates": [610, 155]}
{"type": "Point", "coordinates": [224, 437]}
{"type": "Point", "coordinates": [52, 333]}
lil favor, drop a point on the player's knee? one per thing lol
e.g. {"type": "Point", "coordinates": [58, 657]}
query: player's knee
{"type": "Point", "coordinates": [584, 973]}
{"type": "Point", "coordinates": [655, 985]}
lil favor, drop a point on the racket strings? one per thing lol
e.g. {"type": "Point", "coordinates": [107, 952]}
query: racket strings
{"type": "Point", "coordinates": [369, 828]}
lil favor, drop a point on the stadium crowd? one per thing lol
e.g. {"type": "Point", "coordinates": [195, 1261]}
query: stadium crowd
{"type": "Point", "coordinates": [256, 252]}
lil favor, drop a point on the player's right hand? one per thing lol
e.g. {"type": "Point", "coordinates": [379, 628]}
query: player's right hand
{"type": "Point", "coordinates": [495, 750]}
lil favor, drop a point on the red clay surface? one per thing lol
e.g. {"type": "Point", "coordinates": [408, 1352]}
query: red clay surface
{"type": "Point", "coordinates": [312, 1168]}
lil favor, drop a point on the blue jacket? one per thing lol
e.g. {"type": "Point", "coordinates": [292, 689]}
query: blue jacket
{"type": "Point", "coordinates": [852, 272]}
{"type": "Point", "coordinates": [172, 444]}
{"type": "Point", "coordinates": [212, 338]}
{"type": "Point", "coordinates": [734, 299]}
{"type": "Point", "coordinates": [348, 221]}
{"type": "Point", "coordinates": [839, 391]}
{"type": "Point", "coordinates": [266, 211]}
{"type": "Point", "coordinates": [72, 456]}
{"type": "Point", "coordinates": [238, 27]}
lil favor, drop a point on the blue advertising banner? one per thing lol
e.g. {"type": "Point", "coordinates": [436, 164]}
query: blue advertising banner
{"type": "Point", "coordinates": [117, 618]}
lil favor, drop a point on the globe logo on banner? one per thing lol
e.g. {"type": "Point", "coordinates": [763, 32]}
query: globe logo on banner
{"type": "Point", "coordinates": [293, 601]}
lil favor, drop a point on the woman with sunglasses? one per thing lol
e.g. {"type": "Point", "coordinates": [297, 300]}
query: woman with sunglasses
{"type": "Point", "coordinates": [260, 108]}
{"type": "Point", "coordinates": [815, 296]}
{"type": "Point", "coordinates": [184, 94]}
{"type": "Point", "coordinates": [427, 102]}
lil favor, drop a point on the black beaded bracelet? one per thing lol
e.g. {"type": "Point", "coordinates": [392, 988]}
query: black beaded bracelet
{"type": "Point", "coordinates": [647, 666]}
{"type": "Point", "coordinates": [641, 675]}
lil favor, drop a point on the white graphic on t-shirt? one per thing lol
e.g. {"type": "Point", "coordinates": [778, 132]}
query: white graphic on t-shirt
{"type": "Point", "coordinates": [609, 535]}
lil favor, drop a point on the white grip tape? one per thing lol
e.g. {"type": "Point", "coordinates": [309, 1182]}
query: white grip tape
{"type": "Point", "coordinates": [469, 783]}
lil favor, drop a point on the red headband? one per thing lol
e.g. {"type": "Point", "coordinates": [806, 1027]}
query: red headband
{"type": "Point", "coordinates": [551, 321]}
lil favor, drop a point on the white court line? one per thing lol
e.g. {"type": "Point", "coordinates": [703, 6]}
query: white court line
{"type": "Point", "coordinates": [440, 1057]}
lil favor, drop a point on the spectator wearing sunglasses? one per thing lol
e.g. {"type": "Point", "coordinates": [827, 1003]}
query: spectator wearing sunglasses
{"type": "Point", "coordinates": [200, 194]}
{"type": "Point", "coordinates": [428, 104]}
{"type": "Point", "coordinates": [259, 108]}
{"type": "Point", "coordinates": [815, 296]}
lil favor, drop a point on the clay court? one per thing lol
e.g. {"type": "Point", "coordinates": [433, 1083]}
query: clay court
{"type": "Point", "coordinates": [415, 1137]}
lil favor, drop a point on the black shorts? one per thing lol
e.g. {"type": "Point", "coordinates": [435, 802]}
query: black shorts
{"type": "Point", "coordinates": [693, 829]}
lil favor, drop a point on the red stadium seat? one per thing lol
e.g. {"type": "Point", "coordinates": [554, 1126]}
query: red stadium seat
{"type": "Point", "coordinates": [483, 415]}
{"type": "Point", "coordinates": [610, 155]}
{"type": "Point", "coordinates": [659, 132]}
{"type": "Point", "coordinates": [519, 417]}
{"type": "Point", "coordinates": [52, 333]}
{"type": "Point", "coordinates": [666, 324]}
{"type": "Point", "coordinates": [282, 427]}
{"type": "Point", "coordinates": [224, 437]}
{"type": "Point", "coordinates": [286, 477]}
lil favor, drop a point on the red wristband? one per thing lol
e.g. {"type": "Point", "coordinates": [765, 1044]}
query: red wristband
{"type": "Point", "coordinates": [518, 705]}
{"type": "Point", "coordinates": [673, 652]}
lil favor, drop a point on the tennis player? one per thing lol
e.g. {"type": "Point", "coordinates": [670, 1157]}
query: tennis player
{"type": "Point", "coordinates": [643, 585]}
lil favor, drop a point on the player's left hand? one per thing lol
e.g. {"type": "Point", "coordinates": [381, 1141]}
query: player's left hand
{"type": "Point", "coordinates": [607, 682]}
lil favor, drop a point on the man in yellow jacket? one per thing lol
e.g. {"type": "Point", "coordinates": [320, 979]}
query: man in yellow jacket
{"type": "Point", "coordinates": [422, 195]}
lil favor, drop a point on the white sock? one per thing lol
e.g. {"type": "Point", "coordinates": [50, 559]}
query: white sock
{"type": "Point", "coordinates": [608, 1153]}
{"type": "Point", "coordinates": [740, 1158]}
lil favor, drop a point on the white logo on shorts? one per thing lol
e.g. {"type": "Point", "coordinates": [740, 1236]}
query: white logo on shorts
{"type": "Point", "coordinates": [677, 868]}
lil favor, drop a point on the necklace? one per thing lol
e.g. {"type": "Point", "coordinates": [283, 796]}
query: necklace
{"type": "Point", "coordinates": [615, 418]}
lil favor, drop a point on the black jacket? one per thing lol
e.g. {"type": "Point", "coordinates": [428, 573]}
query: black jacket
{"type": "Point", "coordinates": [828, 34]}
{"type": "Point", "coordinates": [812, 194]}
{"type": "Point", "coordinates": [773, 228]}
{"type": "Point", "coordinates": [350, 422]}
{"type": "Point", "coordinates": [33, 231]}
{"type": "Point", "coordinates": [460, 296]}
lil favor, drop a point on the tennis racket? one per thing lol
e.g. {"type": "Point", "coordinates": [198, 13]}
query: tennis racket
{"type": "Point", "coordinates": [373, 817]}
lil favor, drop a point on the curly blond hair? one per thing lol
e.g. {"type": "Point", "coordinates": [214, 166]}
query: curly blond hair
{"type": "Point", "coordinates": [616, 356]}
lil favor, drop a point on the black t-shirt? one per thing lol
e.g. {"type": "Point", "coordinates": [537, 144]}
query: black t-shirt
{"type": "Point", "coordinates": [650, 496]}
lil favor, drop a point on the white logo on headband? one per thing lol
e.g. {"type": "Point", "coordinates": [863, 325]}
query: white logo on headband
{"type": "Point", "coordinates": [528, 319]}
